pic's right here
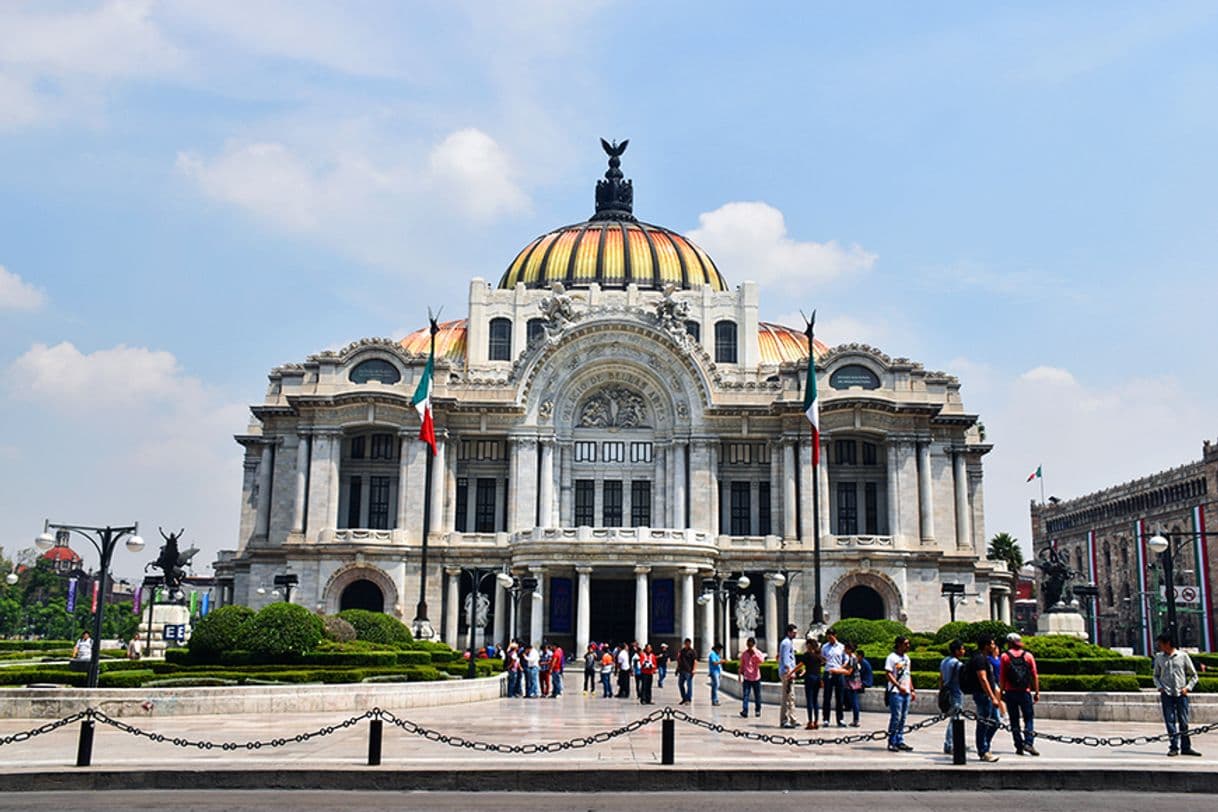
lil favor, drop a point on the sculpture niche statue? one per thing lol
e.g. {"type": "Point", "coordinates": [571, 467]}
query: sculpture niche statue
{"type": "Point", "coordinates": [172, 562]}
{"type": "Point", "coordinates": [1058, 576]}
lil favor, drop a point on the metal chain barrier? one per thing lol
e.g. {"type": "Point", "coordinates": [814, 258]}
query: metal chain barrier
{"type": "Point", "coordinates": [532, 748]}
{"type": "Point", "coordinates": [1097, 741]}
{"type": "Point", "coordinates": [783, 739]}
{"type": "Point", "coordinates": [26, 735]}
{"type": "Point", "coordinates": [256, 744]}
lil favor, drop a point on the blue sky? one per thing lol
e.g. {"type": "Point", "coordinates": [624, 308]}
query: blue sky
{"type": "Point", "coordinates": [194, 192]}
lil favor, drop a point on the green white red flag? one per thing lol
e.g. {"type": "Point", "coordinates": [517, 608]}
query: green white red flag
{"type": "Point", "coordinates": [422, 402]}
{"type": "Point", "coordinates": [811, 407]}
{"type": "Point", "coordinates": [1035, 474]}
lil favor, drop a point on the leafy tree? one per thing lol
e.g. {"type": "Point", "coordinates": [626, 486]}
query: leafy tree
{"type": "Point", "coordinates": [1005, 547]}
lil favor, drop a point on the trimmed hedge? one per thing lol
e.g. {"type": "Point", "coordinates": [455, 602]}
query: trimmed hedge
{"type": "Point", "coordinates": [24, 675]}
{"type": "Point", "coordinates": [125, 679]}
{"type": "Point", "coordinates": [859, 631]}
{"type": "Point", "coordinates": [36, 645]}
{"type": "Point", "coordinates": [951, 631]}
{"type": "Point", "coordinates": [280, 630]}
{"type": "Point", "coordinates": [482, 668]}
{"type": "Point", "coordinates": [219, 631]}
{"type": "Point", "coordinates": [377, 627]}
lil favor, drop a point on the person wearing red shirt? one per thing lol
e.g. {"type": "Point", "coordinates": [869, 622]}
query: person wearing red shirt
{"type": "Point", "coordinates": [1020, 685]}
{"type": "Point", "coordinates": [750, 676]}
{"type": "Point", "coordinates": [647, 670]}
{"type": "Point", "coordinates": [556, 672]}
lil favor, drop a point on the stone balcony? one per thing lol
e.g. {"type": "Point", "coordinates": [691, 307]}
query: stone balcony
{"type": "Point", "coordinates": [863, 542]}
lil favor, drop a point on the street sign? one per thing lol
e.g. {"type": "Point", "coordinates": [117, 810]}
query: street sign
{"type": "Point", "coordinates": [1184, 594]}
{"type": "Point", "coordinates": [174, 631]}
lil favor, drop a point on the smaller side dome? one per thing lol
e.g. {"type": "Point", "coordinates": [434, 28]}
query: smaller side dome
{"type": "Point", "coordinates": [450, 341]}
{"type": "Point", "coordinates": [780, 344]}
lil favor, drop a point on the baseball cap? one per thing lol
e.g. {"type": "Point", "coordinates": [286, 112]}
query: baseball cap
{"type": "Point", "coordinates": [1014, 637]}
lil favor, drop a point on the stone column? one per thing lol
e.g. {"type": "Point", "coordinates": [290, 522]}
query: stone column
{"type": "Point", "coordinates": [659, 509]}
{"type": "Point", "coordinates": [439, 481]}
{"type": "Point", "coordinates": [825, 495]}
{"type": "Point", "coordinates": [771, 617]}
{"type": "Point", "coordinates": [894, 490]}
{"type": "Point", "coordinates": [678, 486]}
{"type": "Point", "coordinates": [708, 626]}
{"type": "Point", "coordinates": [583, 609]}
{"type": "Point", "coordinates": [319, 486]}
{"type": "Point", "coordinates": [687, 603]}
{"type": "Point", "coordinates": [640, 604]}
{"type": "Point", "coordinates": [336, 454]}
{"type": "Point", "coordinates": [403, 481]}
{"type": "Point", "coordinates": [513, 448]}
{"type": "Point", "coordinates": [523, 506]}
{"type": "Point", "coordinates": [262, 521]}
{"type": "Point", "coordinates": [537, 618]}
{"type": "Point", "coordinates": [712, 465]}
{"type": "Point", "coordinates": [301, 497]}
{"type": "Point", "coordinates": [960, 481]}
{"type": "Point", "coordinates": [545, 485]}
{"type": "Point", "coordinates": [926, 499]}
{"type": "Point", "coordinates": [789, 477]}
{"type": "Point", "coordinates": [452, 611]}
{"type": "Point", "coordinates": [566, 513]}
{"type": "Point", "coordinates": [806, 472]}
{"type": "Point", "coordinates": [501, 602]}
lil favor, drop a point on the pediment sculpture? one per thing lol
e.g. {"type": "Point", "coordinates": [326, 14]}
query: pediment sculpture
{"type": "Point", "coordinates": [614, 407]}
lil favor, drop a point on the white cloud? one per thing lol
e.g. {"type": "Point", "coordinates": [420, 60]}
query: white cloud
{"type": "Point", "coordinates": [123, 376]}
{"type": "Point", "coordinates": [1049, 375]}
{"type": "Point", "coordinates": [1026, 283]}
{"type": "Point", "coordinates": [17, 294]}
{"type": "Point", "coordinates": [750, 241]}
{"type": "Point", "coordinates": [475, 172]}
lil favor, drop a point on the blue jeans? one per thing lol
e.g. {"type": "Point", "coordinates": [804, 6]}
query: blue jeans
{"type": "Point", "coordinates": [514, 678]}
{"type": "Point", "coordinates": [957, 705]}
{"type": "Point", "coordinates": [534, 684]}
{"type": "Point", "coordinates": [685, 684]}
{"type": "Point", "coordinates": [662, 672]}
{"type": "Point", "coordinates": [607, 684]}
{"type": "Point", "coordinates": [1019, 703]}
{"type": "Point", "coordinates": [753, 685]}
{"type": "Point", "coordinates": [812, 697]}
{"type": "Point", "coordinates": [852, 702]}
{"type": "Point", "coordinates": [1175, 716]}
{"type": "Point", "coordinates": [987, 722]}
{"type": "Point", "coordinates": [898, 709]}
{"type": "Point", "coordinates": [715, 678]}
{"type": "Point", "coordinates": [835, 686]}
{"type": "Point", "coordinates": [555, 683]}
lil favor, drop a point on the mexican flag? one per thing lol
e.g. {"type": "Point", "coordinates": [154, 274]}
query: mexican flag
{"type": "Point", "coordinates": [811, 408]}
{"type": "Point", "coordinates": [422, 402]}
{"type": "Point", "coordinates": [1035, 474]}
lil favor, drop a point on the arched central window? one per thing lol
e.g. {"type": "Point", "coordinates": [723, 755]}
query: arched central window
{"type": "Point", "coordinates": [613, 461]}
{"type": "Point", "coordinates": [725, 342]}
{"type": "Point", "coordinates": [500, 348]}
{"type": "Point", "coordinates": [858, 481]}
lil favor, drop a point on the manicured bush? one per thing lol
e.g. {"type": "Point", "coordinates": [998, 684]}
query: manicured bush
{"type": "Point", "coordinates": [36, 645]}
{"type": "Point", "coordinates": [414, 658]}
{"type": "Point", "coordinates": [25, 675]}
{"type": "Point", "coordinates": [859, 631]}
{"type": "Point", "coordinates": [430, 645]}
{"type": "Point", "coordinates": [377, 627]}
{"type": "Point", "coordinates": [442, 657]}
{"type": "Point", "coordinates": [281, 629]}
{"type": "Point", "coordinates": [951, 631]}
{"type": "Point", "coordinates": [219, 631]}
{"type": "Point", "coordinates": [994, 628]}
{"type": "Point", "coordinates": [125, 679]}
{"type": "Point", "coordinates": [182, 656]}
{"type": "Point", "coordinates": [1088, 682]}
{"type": "Point", "coordinates": [482, 668]}
{"type": "Point", "coordinates": [1064, 647]}
{"type": "Point", "coordinates": [337, 629]}
{"type": "Point", "coordinates": [189, 682]}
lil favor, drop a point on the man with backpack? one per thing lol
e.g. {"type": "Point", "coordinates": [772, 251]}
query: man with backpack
{"type": "Point", "coordinates": [1020, 691]}
{"type": "Point", "coordinates": [980, 680]}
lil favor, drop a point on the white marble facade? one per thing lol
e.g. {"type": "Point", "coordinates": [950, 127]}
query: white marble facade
{"type": "Point", "coordinates": [615, 459]}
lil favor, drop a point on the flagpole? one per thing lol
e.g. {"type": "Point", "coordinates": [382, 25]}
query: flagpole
{"type": "Point", "coordinates": [422, 628]}
{"type": "Point", "coordinates": [818, 611]}
{"type": "Point", "coordinates": [1041, 470]}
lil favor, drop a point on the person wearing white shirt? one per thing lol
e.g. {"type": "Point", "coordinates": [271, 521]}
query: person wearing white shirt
{"type": "Point", "coordinates": [835, 676]}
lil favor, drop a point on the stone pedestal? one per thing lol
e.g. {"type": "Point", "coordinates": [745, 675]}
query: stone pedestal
{"type": "Point", "coordinates": [163, 614]}
{"type": "Point", "coordinates": [1066, 622]}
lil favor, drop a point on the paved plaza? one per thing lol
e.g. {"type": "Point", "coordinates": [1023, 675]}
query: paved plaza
{"type": "Point", "coordinates": [516, 721]}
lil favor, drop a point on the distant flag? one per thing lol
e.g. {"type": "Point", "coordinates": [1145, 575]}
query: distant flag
{"type": "Point", "coordinates": [71, 595]}
{"type": "Point", "coordinates": [1035, 474]}
{"type": "Point", "coordinates": [96, 589]}
{"type": "Point", "coordinates": [194, 602]}
{"type": "Point", "coordinates": [811, 407]}
{"type": "Point", "coordinates": [136, 600]}
{"type": "Point", "coordinates": [206, 606]}
{"type": "Point", "coordinates": [422, 401]}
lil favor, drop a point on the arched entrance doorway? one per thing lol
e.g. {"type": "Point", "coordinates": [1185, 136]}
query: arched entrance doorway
{"type": "Point", "coordinates": [362, 594]}
{"type": "Point", "coordinates": [863, 602]}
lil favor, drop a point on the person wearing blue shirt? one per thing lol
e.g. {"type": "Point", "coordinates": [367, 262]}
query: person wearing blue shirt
{"type": "Point", "coordinates": [714, 667]}
{"type": "Point", "coordinates": [786, 673]}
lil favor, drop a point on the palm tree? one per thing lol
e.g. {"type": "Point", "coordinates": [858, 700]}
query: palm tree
{"type": "Point", "coordinates": [1005, 547]}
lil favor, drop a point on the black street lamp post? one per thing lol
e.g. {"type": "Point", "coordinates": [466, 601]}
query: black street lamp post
{"type": "Point", "coordinates": [153, 583]}
{"type": "Point", "coordinates": [104, 540]}
{"type": "Point", "coordinates": [477, 576]}
{"type": "Point", "coordinates": [288, 581]}
{"type": "Point", "coordinates": [723, 587]}
{"type": "Point", "coordinates": [1164, 544]}
{"type": "Point", "coordinates": [516, 587]}
{"type": "Point", "coordinates": [955, 595]}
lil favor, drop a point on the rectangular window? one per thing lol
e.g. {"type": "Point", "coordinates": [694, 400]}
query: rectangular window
{"type": "Point", "coordinates": [382, 447]}
{"type": "Point", "coordinates": [613, 451]}
{"type": "Point", "coordinates": [462, 507]}
{"type": "Point", "coordinates": [585, 502]}
{"type": "Point", "coordinates": [741, 509]}
{"type": "Point", "coordinates": [357, 448]}
{"type": "Point", "coordinates": [378, 501]}
{"type": "Point", "coordinates": [500, 344]}
{"type": "Point", "coordinates": [844, 452]}
{"type": "Point", "coordinates": [640, 452]}
{"type": "Point", "coordinates": [869, 455]}
{"type": "Point", "coordinates": [763, 505]}
{"type": "Point", "coordinates": [695, 330]}
{"type": "Point", "coordinates": [640, 503]}
{"type": "Point", "coordinates": [871, 509]}
{"type": "Point", "coordinates": [611, 503]}
{"type": "Point", "coordinates": [847, 509]}
{"type": "Point", "coordinates": [585, 451]}
{"type": "Point", "coordinates": [484, 506]}
{"type": "Point", "coordinates": [354, 497]}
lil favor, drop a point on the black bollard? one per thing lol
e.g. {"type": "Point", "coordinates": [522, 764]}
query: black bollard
{"type": "Point", "coordinates": [958, 744]}
{"type": "Point", "coordinates": [374, 742]}
{"type": "Point", "coordinates": [667, 736]}
{"type": "Point", "coordinates": [84, 749]}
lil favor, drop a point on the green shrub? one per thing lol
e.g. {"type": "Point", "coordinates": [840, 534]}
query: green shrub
{"type": "Point", "coordinates": [125, 679]}
{"type": "Point", "coordinates": [25, 675]}
{"type": "Point", "coordinates": [337, 629]}
{"type": "Point", "coordinates": [951, 631]}
{"type": "Point", "coordinates": [442, 657]}
{"type": "Point", "coordinates": [182, 656]}
{"type": "Point", "coordinates": [1064, 647]}
{"type": "Point", "coordinates": [994, 628]}
{"type": "Point", "coordinates": [1210, 661]}
{"type": "Point", "coordinates": [430, 645]}
{"type": "Point", "coordinates": [482, 668]}
{"type": "Point", "coordinates": [219, 631]}
{"type": "Point", "coordinates": [36, 645]}
{"type": "Point", "coordinates": [1088, 682]}
{"type": "Point", "coordinates": [377, 627]}
{"type": "Point", "coordinates": [189, 682]}
{"type": "Point", "coordinates": [859, 631]}
{"type": "Point", "coordinates": [414, 658]}
{"type": "Point", "coordinates": [281, 629]}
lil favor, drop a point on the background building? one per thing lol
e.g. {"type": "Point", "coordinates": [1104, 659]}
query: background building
{"type": "Point", "coordinates": [615, 420]}
{"type": "Point", "coordinates": [1104, 536]}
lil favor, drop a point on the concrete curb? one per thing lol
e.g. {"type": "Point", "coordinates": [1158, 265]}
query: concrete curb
{"type": "Point", "coordinates": [611, 780]}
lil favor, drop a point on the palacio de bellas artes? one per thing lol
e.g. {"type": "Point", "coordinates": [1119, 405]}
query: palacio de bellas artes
{"type": "Point", "coordinates": [613, 419]}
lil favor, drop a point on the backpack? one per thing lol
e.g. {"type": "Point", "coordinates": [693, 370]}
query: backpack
{"type": "Point", "coordinates": [1019, 673]}
{"type": "Point", "coordinates": [969, 684]}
